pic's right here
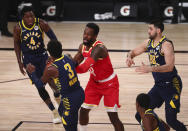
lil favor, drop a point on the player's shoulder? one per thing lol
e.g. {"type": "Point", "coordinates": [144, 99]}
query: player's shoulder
{"type": "Point", "coordinates": [149, 117]}
{"type": "Point", "coordinates": [99, 42]}
{"type": "Point", "coordinates": [167, 44]}
{"type": "Point", "coordinates": [146, 41]}
{"type": "Point", "coordinates": [41, 21]}
{"type": "Point", "coordinates": [17, 28]}
{"type": "Point", "coordinates": [51, 68]}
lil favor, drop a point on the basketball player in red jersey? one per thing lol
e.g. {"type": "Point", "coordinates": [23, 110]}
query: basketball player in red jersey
{"type": "Point", "coordinates": [103, 81]}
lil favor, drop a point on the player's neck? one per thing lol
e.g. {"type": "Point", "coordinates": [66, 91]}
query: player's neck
{"type": "Point", "coordinates": [28, 26]}
{"type": "Point", "coordinates": [157, 39]}
{"type": "Point", "coordinates": [90, 45]}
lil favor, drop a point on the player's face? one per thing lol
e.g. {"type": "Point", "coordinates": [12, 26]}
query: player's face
{"type": "Point", "coordinates": [152, 31]}
{"type": "Point", "coordinates": [29, 18]}
{"type": "Point", "coordinates": [89, 36]}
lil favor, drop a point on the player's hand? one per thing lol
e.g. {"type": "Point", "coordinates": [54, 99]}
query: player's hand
{"type": "Point", "coordinates": [130, 62]}
{"type": "Point", "coordinates": [22, 68]}
{"type": "Point", "coordinates": [30, 68]}
{"type": "Point", "coordinates": [143, 69]}
{"type": "Point", "coordinates": [49, 61]}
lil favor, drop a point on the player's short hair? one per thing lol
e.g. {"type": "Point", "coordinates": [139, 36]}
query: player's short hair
{"type": "Point", "coordinates": [143, 100]}
{"type": "Point", "coordinates": [54, 47]}
{"type": "Point", "coordinates": [158, 24]}
{"type": "Point", "coordinates": [94, 26]}
{"type": "Point", "coordinates": [26, 9]}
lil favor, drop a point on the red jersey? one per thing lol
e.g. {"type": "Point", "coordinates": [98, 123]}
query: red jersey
{"type": "Point", "coordinates": [102, 69]}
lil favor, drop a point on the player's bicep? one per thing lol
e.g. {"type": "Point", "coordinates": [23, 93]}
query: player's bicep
{"type": "Point", "coordinates": [168, 52]}
{"type": "Point", "coordinates": [49, 72]}
{"type": "Point", "coordinates": [16, 35]}
{"type": "Point", "coordinates": [99, 51]}
{"type": "Point", "coordinates": [147, 124]}
{"type": "Point", "coordinates": [44, 25]}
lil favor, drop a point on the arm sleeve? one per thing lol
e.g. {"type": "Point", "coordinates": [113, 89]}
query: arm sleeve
{"type": "Point", "coordinates": [82, 68]}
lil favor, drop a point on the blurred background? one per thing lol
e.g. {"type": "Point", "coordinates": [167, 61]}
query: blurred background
{"type": "Point", "coordinates": [100, 10]}
{"type": "Point", "coordinates": [170, 11]}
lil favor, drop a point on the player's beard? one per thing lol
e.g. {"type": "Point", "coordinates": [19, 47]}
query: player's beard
{"type": "Point", "coordinates": [153, 36]}
{"type": "Point", "coordinates": [88, 43]}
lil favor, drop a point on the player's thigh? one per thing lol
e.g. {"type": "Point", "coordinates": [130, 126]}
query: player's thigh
{"type": "Point", "coordinates": [172, 94]}
{"type": "Point", "coordinates": [92, 96]}
{"type": "Point", "coordinates": [69, 107]}
{"type": "Point", "coordinates": [155, 99]}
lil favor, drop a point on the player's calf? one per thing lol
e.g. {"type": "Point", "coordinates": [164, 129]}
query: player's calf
{"type": "Point", "coordinates": [118, 125]}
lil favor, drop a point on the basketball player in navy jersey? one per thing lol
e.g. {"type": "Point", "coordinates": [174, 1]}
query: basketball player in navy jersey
{"type": "Point", "coordinates": [29, 48]}
{"type": "Point", "coordinates": [168, 84]}
{"type": "Point", "coordinates": [149, 119]}
{"type": "Point", "coordinates": [62, 70]}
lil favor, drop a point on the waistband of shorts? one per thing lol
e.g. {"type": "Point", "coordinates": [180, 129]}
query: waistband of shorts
{"type": "Point", "coordinates": [109, 78]}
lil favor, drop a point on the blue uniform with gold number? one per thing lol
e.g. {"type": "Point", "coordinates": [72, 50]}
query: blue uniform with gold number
{"type": "Point", "coordinates": [160, 125]}
{"type": "Point", "coordinates": [168, 85]}
{"type": "Point", "coordinates": [32, 46]}
{"type": "Point", "coordinates": [72, 93]}
{"type": "Point", "coordinates": [167, 88]}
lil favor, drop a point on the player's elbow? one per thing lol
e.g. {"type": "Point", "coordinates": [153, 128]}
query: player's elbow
{"type": "Point", "coordinates": [170, 68]}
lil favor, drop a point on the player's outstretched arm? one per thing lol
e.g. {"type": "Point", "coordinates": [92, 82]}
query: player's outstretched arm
{"type": "Point", "coordinates": [98, 51]}
{"type": "Point", "coordinates": [168, 51]}
{"type": "Point", "coordinates": [46, 28]}
{"type": "Point", "coordinates": [78, 58]}
{"type": "Point", "coordinates": [17, 42]}
{"type": "Point", "coordinates": [135, 52]}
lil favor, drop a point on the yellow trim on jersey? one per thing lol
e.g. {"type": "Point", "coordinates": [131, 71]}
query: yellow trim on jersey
{"type": "Point", "coordinates": [92, 105]}
{"type": "Point", "coordinates": [27, 27]}
{"type": "Point", "coordinates": [63, 121]}
{"type": "Point", "coordinates": [39, 25]}
{"type": "Point", "coordinates": [172, 104]}
{"type": "Point", "coordinates": [158, 42]}
{"type": "Point", "coordinates": [157, 129]}
{"type": "Point", "coordinates": [90, 47]}
{"type": "Point", "coordinates": [60, 58]}
{"type": "Point", "coordinates": [20, 29]}
{"type": "Point", "coordinates": [55, 65]}
{"type": "Point", "coordinates": [147, 111]}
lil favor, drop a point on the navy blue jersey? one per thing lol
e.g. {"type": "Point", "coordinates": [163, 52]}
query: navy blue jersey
{"type": "Point", "coordinates": [67, 81]}
{"type": "Point", "coordinates": [160, 125]}
{"type": "Point", "coordinates": [156, 58]}
{"type": "Point", "coordinates": [31, 38]}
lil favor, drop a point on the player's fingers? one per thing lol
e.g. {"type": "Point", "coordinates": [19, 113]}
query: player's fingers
{"type": "Point", "coordinates": [143, 64]}
{"type": "Point", "coordinates": [133, 62]}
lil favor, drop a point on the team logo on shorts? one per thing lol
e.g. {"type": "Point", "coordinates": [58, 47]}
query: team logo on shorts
{"type": "Point", "coordinates": [36, 27]}
{"type": "Point", "coordinates": [66, 113]}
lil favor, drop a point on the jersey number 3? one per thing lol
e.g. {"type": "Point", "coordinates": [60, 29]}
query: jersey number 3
{"type": "Point", "coordinates": [69, 69]}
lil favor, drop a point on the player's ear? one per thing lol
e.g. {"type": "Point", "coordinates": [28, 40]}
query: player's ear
{"type": "Point", "coordinates": [158, 30]}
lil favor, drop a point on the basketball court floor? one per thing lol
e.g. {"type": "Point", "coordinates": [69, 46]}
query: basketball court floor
{"type": "Point", "coordinates": [21, 108]}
